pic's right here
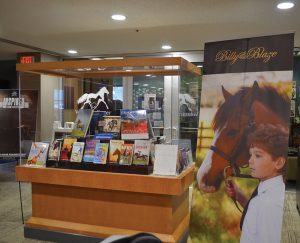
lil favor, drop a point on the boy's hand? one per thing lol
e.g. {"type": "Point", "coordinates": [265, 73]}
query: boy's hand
{"type": "Point", "coordinates": [231, 189]}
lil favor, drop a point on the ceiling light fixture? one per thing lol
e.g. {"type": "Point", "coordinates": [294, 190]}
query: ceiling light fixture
{"type": "Point", "coordinates": [96, 58]}
{"type": "Point", "coordinates": [166, 47]}
{"type": "Point", "coordinates": [118, 17]}
{"type": "Point", "coordinates": [72, 51]}
{"type": "Point", "coordinates": [285, 5]}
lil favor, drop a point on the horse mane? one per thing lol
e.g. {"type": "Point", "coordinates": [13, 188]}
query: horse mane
{"type": "Point", "coordinates": [267, 95]}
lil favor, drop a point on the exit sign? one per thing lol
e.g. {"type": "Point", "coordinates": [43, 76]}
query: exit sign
{"type": "Point", "coordinates": [27, 59]}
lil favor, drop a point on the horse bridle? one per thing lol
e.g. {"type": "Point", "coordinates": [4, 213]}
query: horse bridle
{"type": "Point", "coordinates": [232, 159]}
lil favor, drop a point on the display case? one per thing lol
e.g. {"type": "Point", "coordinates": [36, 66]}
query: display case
{"type": "Point", "coordinates": [168, 88]}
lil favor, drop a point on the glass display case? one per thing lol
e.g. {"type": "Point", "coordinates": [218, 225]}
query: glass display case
{"type": "Point", "coordinates": [168, 88]}
{"type": "Point", "coordinates": [77, 202]}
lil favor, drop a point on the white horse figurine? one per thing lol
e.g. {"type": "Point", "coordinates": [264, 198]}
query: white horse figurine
{"type": "Point", "coordinates": [188, 100]}
{"type": "Point", "coordinates": [87, 98]}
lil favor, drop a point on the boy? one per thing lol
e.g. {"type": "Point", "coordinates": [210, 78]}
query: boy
{"type": "Point", "coordinates": [262, 217]}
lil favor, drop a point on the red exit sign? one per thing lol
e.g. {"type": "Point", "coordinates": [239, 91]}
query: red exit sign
{"type": "Point", "coordinates": [27, 59]}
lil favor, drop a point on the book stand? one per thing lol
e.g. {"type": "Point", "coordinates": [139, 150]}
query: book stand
{"type": "Point", "coordinates": [100, 204]}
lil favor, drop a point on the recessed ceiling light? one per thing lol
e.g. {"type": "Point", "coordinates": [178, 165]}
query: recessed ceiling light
{"type": "Point", "coordinates": [96, 58]}
{"type": "Point", "coordinates": [72, 51]}
{"type": "Point", "coordinates": [128, 70]}
{"type": "Point", "coordinates": [166, 47]}
{"type": "Point", "coordinates": [285, 5]}
{"type": "Point", "coordinates": [118, 17]}
{"type": "Point", "coordinates": [148, 75]}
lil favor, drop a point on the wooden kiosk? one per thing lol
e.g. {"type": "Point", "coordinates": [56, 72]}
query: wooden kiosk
{"type": "Point", "coordinates": [100, 204]}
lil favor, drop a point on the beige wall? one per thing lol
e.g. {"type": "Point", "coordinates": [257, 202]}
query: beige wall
{"type": "Point", "coordinates": [48, 113]}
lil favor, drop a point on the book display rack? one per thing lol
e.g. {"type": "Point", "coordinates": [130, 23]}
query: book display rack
{"type": "Point", "coordinates": [106, 186]}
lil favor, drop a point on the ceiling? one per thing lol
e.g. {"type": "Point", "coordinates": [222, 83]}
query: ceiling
{"type": "Point", "coordinates": [59, 25]}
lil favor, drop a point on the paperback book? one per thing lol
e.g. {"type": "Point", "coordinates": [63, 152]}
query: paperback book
{"type": "Point", "coordinates": [54, 150]}
{"type": "Point", "coordinates": [97, 122]}
{"type": "Point", "coordinates": [82, 123]}
{"type": "Point", "coordinates": [38, 154]}
{"type": "Point", "coordinates": [134, 124]}
{"type": "Point", "coordinates": [141, 152]}
{"type": "Point", "coordinates": [89, 152]}
{"type": "Point", "coordinates": [77, 152]}
{"type": "Point", "coordinates": [101, 152]}
{"type": "Point", "coordinates": [66, 149]}
{"type": "Point", "coordinates": [115, 147]}
{"type": "Point", "coordinates": [166, 160]}
{"type": "Point", "coordinates": [112, 124]}
{"type": "Point", "coordinates": [104, 136]}
{"type": "Point", "coordinates": [126, 154]}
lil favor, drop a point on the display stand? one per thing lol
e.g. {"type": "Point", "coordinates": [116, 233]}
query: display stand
{"type": "Point", "coordinates": [100, 204]}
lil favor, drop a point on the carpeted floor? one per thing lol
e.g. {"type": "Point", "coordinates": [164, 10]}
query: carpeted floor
{"type": "Point", "coordinates": [291, 219]}
{"type": "Point", "coordinates": [11, 227]}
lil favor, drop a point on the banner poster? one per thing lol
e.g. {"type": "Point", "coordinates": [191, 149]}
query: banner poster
{"type": "Point", "coordinates": [9, 121]}
{"type": "Point", "coordinates": [243, 140]}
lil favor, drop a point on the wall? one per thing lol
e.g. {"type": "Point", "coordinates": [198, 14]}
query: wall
{"type": "Point", "coordinates": [8, 74]}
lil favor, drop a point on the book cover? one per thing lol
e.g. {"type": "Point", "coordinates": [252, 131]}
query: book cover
{"type": "Point", "coordinates": [77, 152]}
{"type": "Point", "coordinates": [134, 124]}
{"type": "Point", "coordinates": [166, 159]}
{"type": "Point", "coordinates": [66, 149]}
{"type": "Point", "coordinates": [97, 122]}
{"type": "Point", "coordinates": [38, 154]}
{"type": "Point", "coordinates": [112, 124]}
{"type": "Point", "coordinates": [104, 136]}
{"type": "Point", "coordinates": [101, 152]}
{"type": "Point", "coordinates": [82, 123]}
{"type": "Point", "coordinates": [115, 147]}
{"type": "Point", "coordinates": [126, 154]}
{"type": "Point", "coordinates": [54, 150]}
{"type": "Point", "coordinates": [141, 152]}
{"type": "Point", "coordinates": [89, 151]}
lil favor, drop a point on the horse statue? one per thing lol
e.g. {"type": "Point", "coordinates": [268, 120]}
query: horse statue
{"type": "Point", "coordinates": [88, 99]}
{"type": "Point", "coordinates": [187, 103]}
{"type": "Point", "coordinates": [234, 120]}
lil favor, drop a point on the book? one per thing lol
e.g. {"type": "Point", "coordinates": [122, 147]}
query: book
{"type": "Point", "coordinates": [101, 152]}
{"type": "Point", "coordinates": [166, 159]}
{"type": "Point", "coordinates": [141, 152]}
{"type": "Point", "coordinates": [82, 123]}
{"type": "Point", "coordinates": [54, 150]}
{"type": "Point", "coordinates": [126, 154]}
{"type": "Point", "coordinates": [112, 124]}
{"type": "Point", "coordinates": [104, 136]}
{"type": "Point", "coordinates": [66, 149]}
{"type": "Point", "coordinates": [77, 152]}
{"type": "Point", "coordinates": [115, 147]}
{"type": "Point", "coordinates": [134, 124]}
{"type": "Point", "coordinates": [38, 154]}
{"type": "Point", "coordinates": [97, 122]}
{"type": "Point", "coordinates": [89, 151]}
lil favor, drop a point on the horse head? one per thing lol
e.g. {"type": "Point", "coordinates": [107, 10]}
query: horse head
{"type": "Point", "coordinates": [236, 118]}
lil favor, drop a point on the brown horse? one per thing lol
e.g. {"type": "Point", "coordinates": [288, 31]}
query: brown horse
{"type": "Point", "coordinates": [236, 118]}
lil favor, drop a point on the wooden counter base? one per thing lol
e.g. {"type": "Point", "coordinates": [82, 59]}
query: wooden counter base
{"type": "Point", "coordinates": [88, 209]}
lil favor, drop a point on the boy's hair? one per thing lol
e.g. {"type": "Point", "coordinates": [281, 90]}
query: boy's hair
{"type": "Point", "coordinates": [272, 138]}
